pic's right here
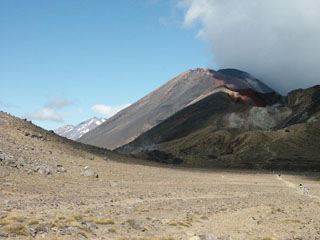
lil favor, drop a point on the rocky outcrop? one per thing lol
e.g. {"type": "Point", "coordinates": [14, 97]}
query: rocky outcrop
{"type": "Point", "coordinates": [29, 165]}
{"type": "Point", "coordinates": [258, 118]}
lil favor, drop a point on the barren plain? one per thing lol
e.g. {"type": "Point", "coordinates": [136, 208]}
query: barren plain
{"type": "Point", "coordinates": [46, 193]}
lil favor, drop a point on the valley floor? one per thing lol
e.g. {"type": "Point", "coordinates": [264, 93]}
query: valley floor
{"type": "Point", "coordinates": [44, 196]}
{"type": "Point", "coordinates": [152, 202]}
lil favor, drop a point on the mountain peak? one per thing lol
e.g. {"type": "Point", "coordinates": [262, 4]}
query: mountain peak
{"type": "Point", "coordinates": [248, 79]}
{"type": "Point", "coordinates": [162, 103]}
{"type": "Point", "coordinates": [75, 132]}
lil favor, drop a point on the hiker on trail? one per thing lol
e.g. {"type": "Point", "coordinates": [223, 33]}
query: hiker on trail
{"type": "Point", "coordinates": [300, 186]}
{"type": "Point", "coordinates": [306, 190]}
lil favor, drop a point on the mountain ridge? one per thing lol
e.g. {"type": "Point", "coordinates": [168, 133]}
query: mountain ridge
{"type": "Point", "coordinates": [238, 134]}
{"type": "Point", "coordinates": [158, 105]}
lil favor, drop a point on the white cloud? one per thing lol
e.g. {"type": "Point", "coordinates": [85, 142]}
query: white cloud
{"type": "Point", "coordinates": [52, 110]}
{"type": "Point", "coordinates": [59, 102]}
{"type": "Point", "coordinates": [108, 110]}
{"type": "Point", "coordinates": [275, 40]}
{"type": "Point", "coordinates": [45, 114]}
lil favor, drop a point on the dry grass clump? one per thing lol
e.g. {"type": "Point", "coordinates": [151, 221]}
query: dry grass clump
{"type": "Point", "coordinates": [50, 224]}
{"type": "Point", "coordinates": [83, 234]}
{"type": "Point", "coordinates": [293, 221]}
{"type": "Point", "coordinates": [11, 220]}
{"type": "Point", "coordinates": [103, 221]}
{"type": "Point", "coordinates": [172, 223]}
{"type": "Point", "coordinates": [4, 222]}
{"type": "Point", "coordinates": [19, 219]}
{"type": "Point", "coordinates": [16, 228]}
{"type": "Point", "coordinates": [3, 216]}
{"type": "Point", "coordinates": [92, 218]}
{"type": "Point", "coordinates": [33, 222]}
{"type": "Point", "coordinates": [79, 217]}
{"type": "Point", "coordinates": [61, 220]}
{"type": "Point", "coordinates": [183, 224]}
{"type": "Point", "coordinates": [112, 230]}
{"type": "Point", "coordinates": [75, 219]}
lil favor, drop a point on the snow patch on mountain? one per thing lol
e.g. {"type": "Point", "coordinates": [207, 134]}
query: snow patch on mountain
{"type": "Point", "coordinates": [74, 132]}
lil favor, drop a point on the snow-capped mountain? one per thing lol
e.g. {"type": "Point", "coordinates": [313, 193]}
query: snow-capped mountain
{"type": "Point", "coordinates": [75, 132]}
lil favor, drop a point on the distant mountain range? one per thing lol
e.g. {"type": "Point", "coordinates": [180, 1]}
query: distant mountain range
{"type": "Point", "coordinates": [165, 101]}
{"type": "Point", "coordinates": [75, 132]}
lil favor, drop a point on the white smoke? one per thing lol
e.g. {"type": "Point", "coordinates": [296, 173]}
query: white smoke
{"type": "Point", "coordinates": [277, 41]}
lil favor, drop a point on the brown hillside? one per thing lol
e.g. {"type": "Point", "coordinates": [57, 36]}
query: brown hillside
{"type": "Point", "coordinates": [227, 129]}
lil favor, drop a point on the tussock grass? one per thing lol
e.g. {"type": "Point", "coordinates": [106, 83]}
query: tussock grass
{"type": "Point", "coordinates": [16, 228]}
{"type": "Point", "coordinates": [4, 222]}
{"type": "Point", "coordinates": [177, 223]}
{"type": "Point", "coordinates": [112, 230]}
{"type": "Point", "coordinates": [103, 221]}
{"type": "Point", "coordinates": [51, 224]}
{"type": "Point", "coordinates": [294, 221]}
{"type": "Point", "coordinates": [83, 234]}
{"type": "Point", "coordinates": [78, 217]}
{"type": "Point", "coordinates": [19, 219]}
{"type": "Point", "coordinates": [61, 220]}
{"type": "Point", "coordinates": [184, 224]}
{"type": "Point", "coordinates": [33, 222]}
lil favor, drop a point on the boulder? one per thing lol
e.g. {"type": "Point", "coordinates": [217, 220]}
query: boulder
{"type": "Point", "coordinates": [89, 172]}
{"type": "Point", "coordinates": [43, 169]}
{"type": "Point", "coordinates": [137, 225]}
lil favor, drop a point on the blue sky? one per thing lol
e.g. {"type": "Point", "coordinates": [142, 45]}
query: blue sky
{"type": "Point", "coordinates": [61, 58]}
{"type": "Point", "coordinates": [65, 61]}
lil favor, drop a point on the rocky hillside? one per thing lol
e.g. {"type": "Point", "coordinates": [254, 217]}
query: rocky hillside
{"type": "Point", "coordinates": [32, 149]}
{"type": "Point", "coordinates": [241, 129]}
{"type": "Point", "coordinates": [165, 101]}
{"type": "Point", "coordinates": [75, 132]}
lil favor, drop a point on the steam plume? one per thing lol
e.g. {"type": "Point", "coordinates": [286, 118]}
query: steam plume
{"type": "Point", "coordinates": [277, 41]}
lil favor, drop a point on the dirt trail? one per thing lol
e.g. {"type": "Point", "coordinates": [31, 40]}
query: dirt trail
{"type": "Point", "coordinates": [297, 188]}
